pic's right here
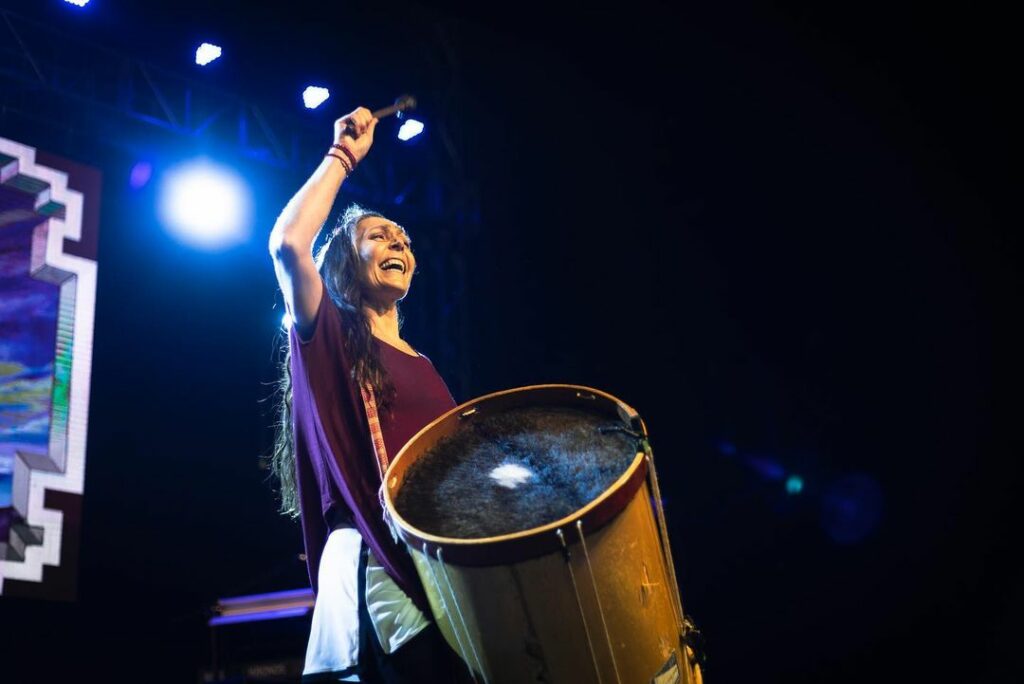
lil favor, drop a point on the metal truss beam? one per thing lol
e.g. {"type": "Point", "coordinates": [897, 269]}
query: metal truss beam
{"type": "Point", "coordinates": [39, 64]}
{"type": "Point", "coordinates": [116, 98]}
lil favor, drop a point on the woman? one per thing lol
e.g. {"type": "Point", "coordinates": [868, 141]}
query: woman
{"type": "Point", "coordinates": [347, 363]}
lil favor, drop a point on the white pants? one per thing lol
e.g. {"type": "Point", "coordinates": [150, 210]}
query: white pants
{"type": "Point", "coordinates": [334, 635]}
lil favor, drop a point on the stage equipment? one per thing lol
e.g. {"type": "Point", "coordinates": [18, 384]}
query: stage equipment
{"type": "Point", "coordinates": [534, 519]}
{"type": "Point", "coordinates": [259, 638]}
{"type": "Point", "coordinates": [206, 53]}
{"type": "Point", "coordinates": [314, 96]}
{"type": "Point", "coordinates": [206, 205]}
{"type": "Point", "coordinates": [410, 129]}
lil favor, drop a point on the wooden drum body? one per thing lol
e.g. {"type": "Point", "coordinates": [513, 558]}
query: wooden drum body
{"type": "Point", "coordinates": [587, 597]}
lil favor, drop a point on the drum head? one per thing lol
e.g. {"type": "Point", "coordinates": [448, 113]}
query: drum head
{"type": "Point", "coordinates": [512, 468]}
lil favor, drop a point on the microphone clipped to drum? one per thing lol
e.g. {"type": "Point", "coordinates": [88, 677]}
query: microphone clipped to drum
{"type": "Point", "coordinates": [534, 520]}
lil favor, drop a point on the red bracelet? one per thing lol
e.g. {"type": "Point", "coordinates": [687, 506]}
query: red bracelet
{"type": "Point", "coordinates": [344, 162]}
{"type": "Point", "coordinates": [349, 155]}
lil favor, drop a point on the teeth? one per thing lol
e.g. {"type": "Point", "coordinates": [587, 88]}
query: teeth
{"type": "Point", "coordinates": [393, 262]}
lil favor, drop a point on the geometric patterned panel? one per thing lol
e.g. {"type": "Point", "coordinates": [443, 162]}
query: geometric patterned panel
{"type": "Point", "coordinates": [47, 305]}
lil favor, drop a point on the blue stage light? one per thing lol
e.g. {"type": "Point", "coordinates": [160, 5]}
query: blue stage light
{"type": "Point", "coordinates": [206, 53]}
{"type": "Point", "coordinates": [286, 321]}
{"type": "Point", "coordinates": [77, 3]}
{"type": "Point", "coordinates": [314, 96]}
{"type": "Point", "coordinates": [410, 129]}
{"type": "Point", "coordinates": [140, 175]}
{"type": "Point", "coordinates": [794, 484]}
{"type": "Point", "coordinates": [205, 205]}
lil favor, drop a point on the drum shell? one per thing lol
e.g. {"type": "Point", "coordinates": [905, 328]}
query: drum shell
{"type": "Point", "coordinates": [526, 607]}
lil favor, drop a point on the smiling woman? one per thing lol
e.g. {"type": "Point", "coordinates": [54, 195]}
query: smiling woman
{"type": "Point", "coordinates": [352, 392]}
{"type": "Point", "coordinates": [386, 259]}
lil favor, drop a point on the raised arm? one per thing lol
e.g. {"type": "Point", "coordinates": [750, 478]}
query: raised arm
{"type": "Point", "coordinates": [291, 240]}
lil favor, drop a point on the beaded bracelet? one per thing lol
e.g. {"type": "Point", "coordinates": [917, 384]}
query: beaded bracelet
{"type": "Point", "coordinates": [347, 153]}
{"type": "Point", "coordinates": [344, 162]}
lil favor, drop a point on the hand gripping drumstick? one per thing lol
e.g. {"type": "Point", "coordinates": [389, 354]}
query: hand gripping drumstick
{"type": "Point", "coordinates": [405, 103]}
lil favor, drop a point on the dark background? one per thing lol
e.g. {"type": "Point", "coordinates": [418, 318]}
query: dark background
{"type": "Point", "coordinates": [778, 231]}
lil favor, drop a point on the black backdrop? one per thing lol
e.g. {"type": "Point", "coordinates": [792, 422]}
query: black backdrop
{"type": "Point", "coordinates": [776, 228]}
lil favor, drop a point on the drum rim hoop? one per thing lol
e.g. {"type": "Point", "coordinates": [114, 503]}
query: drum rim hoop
{"type": "Point", "coordinates": [535, 541]}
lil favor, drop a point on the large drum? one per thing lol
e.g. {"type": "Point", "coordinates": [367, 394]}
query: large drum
{"type": "Point", "coordinates": [533, 517]}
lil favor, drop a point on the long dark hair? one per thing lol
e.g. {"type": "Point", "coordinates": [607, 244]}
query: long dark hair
{"type": "Point", "coordinates": [338, 263]}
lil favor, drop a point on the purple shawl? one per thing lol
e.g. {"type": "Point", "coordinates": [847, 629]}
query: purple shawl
{"type": "Point", "coordinates": [335, 464]}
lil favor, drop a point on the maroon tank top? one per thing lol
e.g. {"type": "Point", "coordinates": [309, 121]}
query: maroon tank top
{"type": "Point", "coordinates": [336, 470]}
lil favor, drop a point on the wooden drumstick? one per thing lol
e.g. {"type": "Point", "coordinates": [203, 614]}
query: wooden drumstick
{"type": "Point", "coordinates": [404, 103]}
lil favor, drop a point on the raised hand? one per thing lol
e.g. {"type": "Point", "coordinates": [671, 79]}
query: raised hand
{"type": "Point", "coordinates": [355, 132]}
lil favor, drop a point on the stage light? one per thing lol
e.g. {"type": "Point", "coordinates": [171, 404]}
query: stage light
{"type": "Point", "coordinates": [314, 96]}
{"type": "Point", "coordinates": [77, 3]}
{"type": "Point", "coordinates": [205, 205]}
{"type": "Point", "coordinates": [794, 484]}
{"type": "Point", "coordinates": [140, 175]}
{"type": "Point", "coordinates": [410, 129]}
{"type": "Point", "coordinates": [206, 53]}
{"type": "Point", "coordinates": [286, 321]}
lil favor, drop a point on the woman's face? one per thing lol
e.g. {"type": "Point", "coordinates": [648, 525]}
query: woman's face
{"type": "Point", "coordinates": [386, 258]}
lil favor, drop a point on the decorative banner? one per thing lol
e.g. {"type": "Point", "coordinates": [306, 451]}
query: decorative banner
{"type": "Point", "coordinates": [47, 308]}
